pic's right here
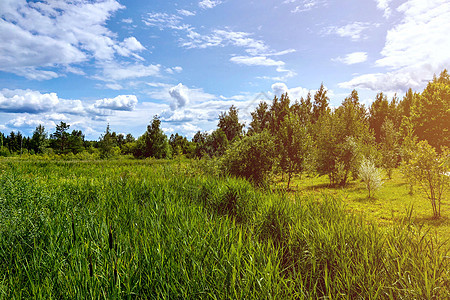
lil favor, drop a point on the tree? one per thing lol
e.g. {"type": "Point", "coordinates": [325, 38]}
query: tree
{"type": "Point", "coordinates": [260, 118]}
{"type": "Point", "coordinates": [61, 136]}
{"type": "Point", "coordinates": [378, 112]}
{"type": "Point", "coordinates": [295, 145]}
{"type": "Point", "coordinates": [229, 123]}
{"type": "Point", "coordinates": [342, 137]}
{"type": "Point", "coordinates": [153, 143]}
{"type": "Point", "coordinates": [76, 141]}
{"type": "Point", "coordinates": [278, 112]}
{"type": "Point", "coordinates": [106, 143]}
{"type": "Point", "coordinates": [216, 143]}
{"type": "Point", "coordinates": [431, 171]}
{"type": "Point", "coordinates": [39, 140]}
{"type": "Point", "coordinates": [389, 147]}
{"type": "Point", "coordinates": [370, 175]}
{"type": "Point", "coordinates": [251, 157]}
{"type": "Point", "coordinates": [320, 105]}
{"type": "Point", "coordinates": [430, 113]}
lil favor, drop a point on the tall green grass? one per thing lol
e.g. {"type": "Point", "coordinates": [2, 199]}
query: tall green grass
{"type": "Point", "coordinates": [158, 229]}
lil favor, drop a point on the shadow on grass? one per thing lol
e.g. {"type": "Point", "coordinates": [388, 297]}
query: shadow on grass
{"type": "Point", "coordinates": [430, 220]}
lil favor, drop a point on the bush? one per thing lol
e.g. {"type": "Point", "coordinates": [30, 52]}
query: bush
{"type": "Point", "coordinates": [371, 176]}
{"type": "Point", "coordinates": [252, 158]}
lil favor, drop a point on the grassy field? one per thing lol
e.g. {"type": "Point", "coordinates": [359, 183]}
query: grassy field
{"type": "Point", "coordinates": [392, 203]}
{"type": "Point", "coordinates": [165, 230]}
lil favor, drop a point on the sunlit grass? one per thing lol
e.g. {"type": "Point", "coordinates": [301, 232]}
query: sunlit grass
{"type": "Point", "coordinates": [163, 229]}
{"type": "Point", "coordinates": [392, 203]}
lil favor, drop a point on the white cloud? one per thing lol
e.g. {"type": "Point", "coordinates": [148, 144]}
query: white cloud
{"type": "Point", "coordinates": [352, 58]}
{"type": "Point", "coordinates": [279, 88]}
{"type": "Point", "coordinates": [384, 6]}
{"type": "Point", "coordinates": [121, 102]}
{"type": "Point", "coordinates": [179, 94]}
{"type": "Point", "coordinates": [415, 49]}
{"type": "Point", "coordinates": [114, 72]}
{"type": "Point", "coordinates": [174, 70]}
{"type": "Point", "coordinates": [293, 93]}
{"type": "Point", "coordinates": [186, 13]}
{"type": "Point", "coordinates": [353, 31]}
{"type": "Point", "coordinates": [114, 86]}
{"type": "Point", "coordinates": [46, 38]}
{"type": "Point", "coordinates": [256, 61]}
{"type": "Point", "coordinates": [205, 4]}
{"type": "Point", "coordinates": [162, 20]}
{"type": "Point", "coordinates": [25, 121]}
{"type": "Point", "coordinates": [127, 21]}
{"type": "Point", "coordinates": [26, 101]}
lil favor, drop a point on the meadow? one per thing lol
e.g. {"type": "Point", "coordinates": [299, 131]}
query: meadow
{"type": "Point", "coordinates": [165, 229]}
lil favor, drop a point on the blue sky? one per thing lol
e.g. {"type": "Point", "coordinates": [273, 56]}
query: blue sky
{"type": "Point", "coordinates": [90, 63]}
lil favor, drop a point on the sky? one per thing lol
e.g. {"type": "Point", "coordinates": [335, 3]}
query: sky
{"type": "Point", "coordinates": [121, 62]}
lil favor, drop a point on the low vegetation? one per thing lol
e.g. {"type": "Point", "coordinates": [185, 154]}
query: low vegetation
{"type": "Point", "coordinates": [165, 229]}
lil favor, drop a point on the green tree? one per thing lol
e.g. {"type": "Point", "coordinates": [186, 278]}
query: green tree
{"type": "Point", "coordinates": [61, 136]}
{"type": "Point", "coordinates": [342, 138]}
{"type": "Point", "coordinates": [260, 118]}
{"type": "Point", "coordinates": [216, 143]}
{"type": "Point", "coordinates": [320, 106]}
{"type": "Point", "coordinates": [153, 143]}
{"type": "Point", "coordinates": [389, 147]}
{"type": "Point", "coordinates": [39, 141]}
{"type": "Point", "coordinates": [430, 113]}
{"type": "Point", "coordinates": [251, 157]}
{"type": "Point", "coordinates": [430, 170]}
{"type": "Point", "coordinates": [229, 123]}
{"type": "Point", "coordinates": [75, 141]}
{"type": "Point", "coordinates": [106, 143]}
{"type": "Point", "coordinates": [279, 110]}
{"type": "Point", "coordinates": [295, 145]}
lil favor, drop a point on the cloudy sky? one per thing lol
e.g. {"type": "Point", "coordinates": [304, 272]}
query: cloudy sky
{"type": "Point", "coordinates": [90, 63]}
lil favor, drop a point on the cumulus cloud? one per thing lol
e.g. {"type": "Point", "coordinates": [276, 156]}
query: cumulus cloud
{"type": "Point", "coordinates": [205, 4]}
{"type": "Point", "coordinates": [45, 38]}
{"type": "Point", "coordinates": [179, 94]}
{"type": "Point", "coordinates": [295, 93]}
{"type": "Point", "coordinates": [121, 102]}
{"type": "Point", "coordinates": [279, 88]}
{"type": "Point", "coordinates": [384, 6]}
{"type": "Point", "coordinates": [352, 58]}
{"type": "Point", "coordinates": [27, 101]}
{"type": "Point", "coordinates": [415, 49]}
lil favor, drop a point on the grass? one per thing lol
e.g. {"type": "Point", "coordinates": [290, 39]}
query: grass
{"type": "Point", "coordinates": [164, 230]}
{"type": "Point", "coordinates": [392, 203]}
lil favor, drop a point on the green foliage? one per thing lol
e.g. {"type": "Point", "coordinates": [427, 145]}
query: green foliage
{"type": "Point", "coordinates": [61, 137]}
{"type": "Point", "coordinates": [389, 146]}
{"type": "Point", "coordinates": [342, 138]}
{"type": "Point", "coordinates": [229, 124]}
{"type": "Point", "coordinates": [153, 143]}
{"type": "Point", "coordinates": [294, 145]}
{"type": "Point", "coordinates": [431, 171]}
{"type": "Point", "coordinates": [251, 157]}
{"type": "Point", "coordinates": [430, 112]}
{"type": "Point", "coordinates": [39, 141]}
{"type": "Point", "coordinates": [106, 144]}
{"type": "Point", "coordinates": [370, 175]}
{"type": "Point", "coordinates": [260, 118]}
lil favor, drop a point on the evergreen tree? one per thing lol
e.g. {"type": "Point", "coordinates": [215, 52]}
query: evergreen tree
{"type": "Point", "coordinates": [61, 137]}
{"type": "Point", "coordinates": [39, 141]}
{"type": "Point", "coordinates": [260, 118]}
{"type": "Point", "coordinates": [320, 106]}
{"type": "Point", "coordinates": [153, 143]}
{"type": "Point", "coordinates": [106, 143]}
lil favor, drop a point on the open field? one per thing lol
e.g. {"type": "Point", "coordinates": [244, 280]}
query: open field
{"type": "Point", "coordinates": [392, 203]}
{"type": "Point", "coordinates": [164, 229]}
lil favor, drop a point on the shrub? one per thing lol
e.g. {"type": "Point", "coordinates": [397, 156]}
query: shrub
{"type": "Point", "coordinates": [252, 157]}
{"type": "Point", "coordinates": [371, 176]}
